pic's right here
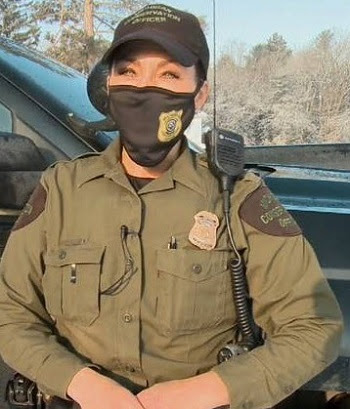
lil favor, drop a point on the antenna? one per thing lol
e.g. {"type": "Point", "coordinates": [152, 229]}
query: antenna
{"type": "Point", "coordinates": [225, 151]}
{"type": "Point", "coordinates": [214, 67]}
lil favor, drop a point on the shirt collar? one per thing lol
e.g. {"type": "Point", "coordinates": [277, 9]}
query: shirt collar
{"type": "Point", "coordinates": [184, 170]}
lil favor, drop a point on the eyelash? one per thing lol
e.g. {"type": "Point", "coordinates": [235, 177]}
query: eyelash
{"type": "Point", "coordinates": [173, 75]}
{"type": "Point", "coordinates": [127, 71]}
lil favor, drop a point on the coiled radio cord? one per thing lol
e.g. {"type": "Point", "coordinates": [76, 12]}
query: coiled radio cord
{"type": "Point", "coordinates": [249, 338]}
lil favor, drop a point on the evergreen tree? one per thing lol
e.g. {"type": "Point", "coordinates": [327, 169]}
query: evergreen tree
{"type": "Point", "coordinates": [17, 22]}
{"type": "Point", "coordinates": [277, 44]}
{"type": "Point", "coordinates": [275, 48]}
{"type": "Point", "coordinates": [256, 54]}
{"type": "Point", "coordinates": [81, 30]}
{"type": "Point", "coordinates": [324, 41]}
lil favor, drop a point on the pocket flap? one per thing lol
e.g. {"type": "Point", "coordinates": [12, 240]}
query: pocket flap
{"type": "Point", "coordinates": [74, 255]}
{"type": "Point", "coordinates": [194, 265]}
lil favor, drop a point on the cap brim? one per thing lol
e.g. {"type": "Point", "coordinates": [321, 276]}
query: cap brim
{"type": "Point", "coordinates": [176, 50]}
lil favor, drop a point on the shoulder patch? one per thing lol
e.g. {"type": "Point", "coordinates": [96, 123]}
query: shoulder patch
{"type": "Point", "coordinates": [264, 212]}
{"type": "Point", "coordinates": [32, 210]}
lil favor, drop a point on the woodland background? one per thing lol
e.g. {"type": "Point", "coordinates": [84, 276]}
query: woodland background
{"type": "Point", "coordinates": [269, 93]}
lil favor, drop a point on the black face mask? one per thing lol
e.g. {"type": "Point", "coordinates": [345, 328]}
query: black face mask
{"type": "Point", "coordinates": [150, 120]}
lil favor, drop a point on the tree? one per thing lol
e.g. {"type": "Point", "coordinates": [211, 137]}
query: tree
{"type": "Point", "coordinates": [277, 44]}
{"type": "Point", "coordinates": [256, 54]}
{"type": "Point", "coordinates": [274, 51]}
{"type": "Point", "coordinates": [18, 23]}
{"type": "Point", "coordinates": [324, 41]}
{"type": "Point", "coordinates": [80, 30]}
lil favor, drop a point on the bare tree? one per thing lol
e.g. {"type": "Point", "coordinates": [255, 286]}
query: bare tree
{"type": "Point", "coordinates": [280, 97]}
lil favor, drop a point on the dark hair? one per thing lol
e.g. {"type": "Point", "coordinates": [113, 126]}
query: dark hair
{"type": "Point", "coordinates": [200, 74]}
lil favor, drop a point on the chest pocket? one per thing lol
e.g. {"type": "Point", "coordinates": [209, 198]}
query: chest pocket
{"type": "Point", "coordinates": [71, 283]}
{"type": "Point", "coordinates": [194, 290]}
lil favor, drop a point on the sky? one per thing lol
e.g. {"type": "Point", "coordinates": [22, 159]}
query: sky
{"type": "Point", "coordinates": [249, 22]}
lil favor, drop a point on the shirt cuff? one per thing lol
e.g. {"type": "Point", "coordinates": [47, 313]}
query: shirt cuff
{"type": "Point", "coordinates": [245, 382]}
{"type": "Point", "coordinates": [55, 375]}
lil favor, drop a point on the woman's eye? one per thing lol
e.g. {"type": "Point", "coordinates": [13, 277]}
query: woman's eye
{"type": "Point", "coordinates": [170, 75]}
{"type": "Point", "coordinates": [128, 72]}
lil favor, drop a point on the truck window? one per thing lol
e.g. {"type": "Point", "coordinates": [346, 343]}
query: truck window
{"type": "Point", "coordinates": [6, 123]}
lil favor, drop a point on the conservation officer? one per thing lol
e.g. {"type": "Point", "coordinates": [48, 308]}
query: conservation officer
{"type": "Point", "coordinates": [115, 290]}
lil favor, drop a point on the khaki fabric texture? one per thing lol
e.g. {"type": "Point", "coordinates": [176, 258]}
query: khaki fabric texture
{"type": "Point", "coordinates": [176, 310]}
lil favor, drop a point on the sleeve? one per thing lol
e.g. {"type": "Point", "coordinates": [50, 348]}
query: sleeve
{"type": "Point", "coordinates": [28, 342]}
{"type": "Point", "coordinates": [292, 303]}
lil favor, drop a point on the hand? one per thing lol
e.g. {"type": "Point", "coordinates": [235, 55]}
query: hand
{"type": "Point", "coordinates": [94, 391]}
{"type": "Point", "coordinates": [206, 391]}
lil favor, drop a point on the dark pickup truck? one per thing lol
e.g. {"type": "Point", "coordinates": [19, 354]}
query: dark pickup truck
{"type": "Point", "coordinates": [313, 182]}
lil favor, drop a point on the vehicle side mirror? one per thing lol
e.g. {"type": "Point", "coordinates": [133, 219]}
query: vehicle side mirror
{"type": "Point", "coordinates": [21, 165]}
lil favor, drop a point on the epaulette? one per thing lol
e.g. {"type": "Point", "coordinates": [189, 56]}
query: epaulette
{"type": "Point", "coordinates": [87, 155]}
{"type": "Point", "coordinates": [82, 156]}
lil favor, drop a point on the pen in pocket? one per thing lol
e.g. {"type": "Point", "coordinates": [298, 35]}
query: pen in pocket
{"type": "Point", "coordinates": [73, 273]}
{"type": "Point", "coordinates": [172, 245]}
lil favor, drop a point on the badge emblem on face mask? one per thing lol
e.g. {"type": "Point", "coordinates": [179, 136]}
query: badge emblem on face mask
{"type": "Point", "coordinates": [170, 125]}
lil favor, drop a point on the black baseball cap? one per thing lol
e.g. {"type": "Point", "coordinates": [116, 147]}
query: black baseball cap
{"type": "Point", "coordinates": [177, 31]}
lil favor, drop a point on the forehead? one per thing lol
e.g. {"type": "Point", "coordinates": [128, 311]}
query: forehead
{"type": "Point", "coordinates": [135, 50]}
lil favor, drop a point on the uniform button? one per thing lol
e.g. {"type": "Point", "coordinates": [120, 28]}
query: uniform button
{"type": "Point", "coordinates": [197, 268]}
{"type": "Point", "coordinates": [62, 254]}
{"type": "Point", "coordinates": [130, 368]}
{"type": "Point", "coordinates": [127, 317]}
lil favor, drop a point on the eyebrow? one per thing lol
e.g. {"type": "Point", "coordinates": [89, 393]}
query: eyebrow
{"type": "Point", "coordinates": [128, 60]}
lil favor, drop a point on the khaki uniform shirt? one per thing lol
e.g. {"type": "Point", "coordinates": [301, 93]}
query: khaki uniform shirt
{"type": "Point", "coordinates": [172, 310]}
